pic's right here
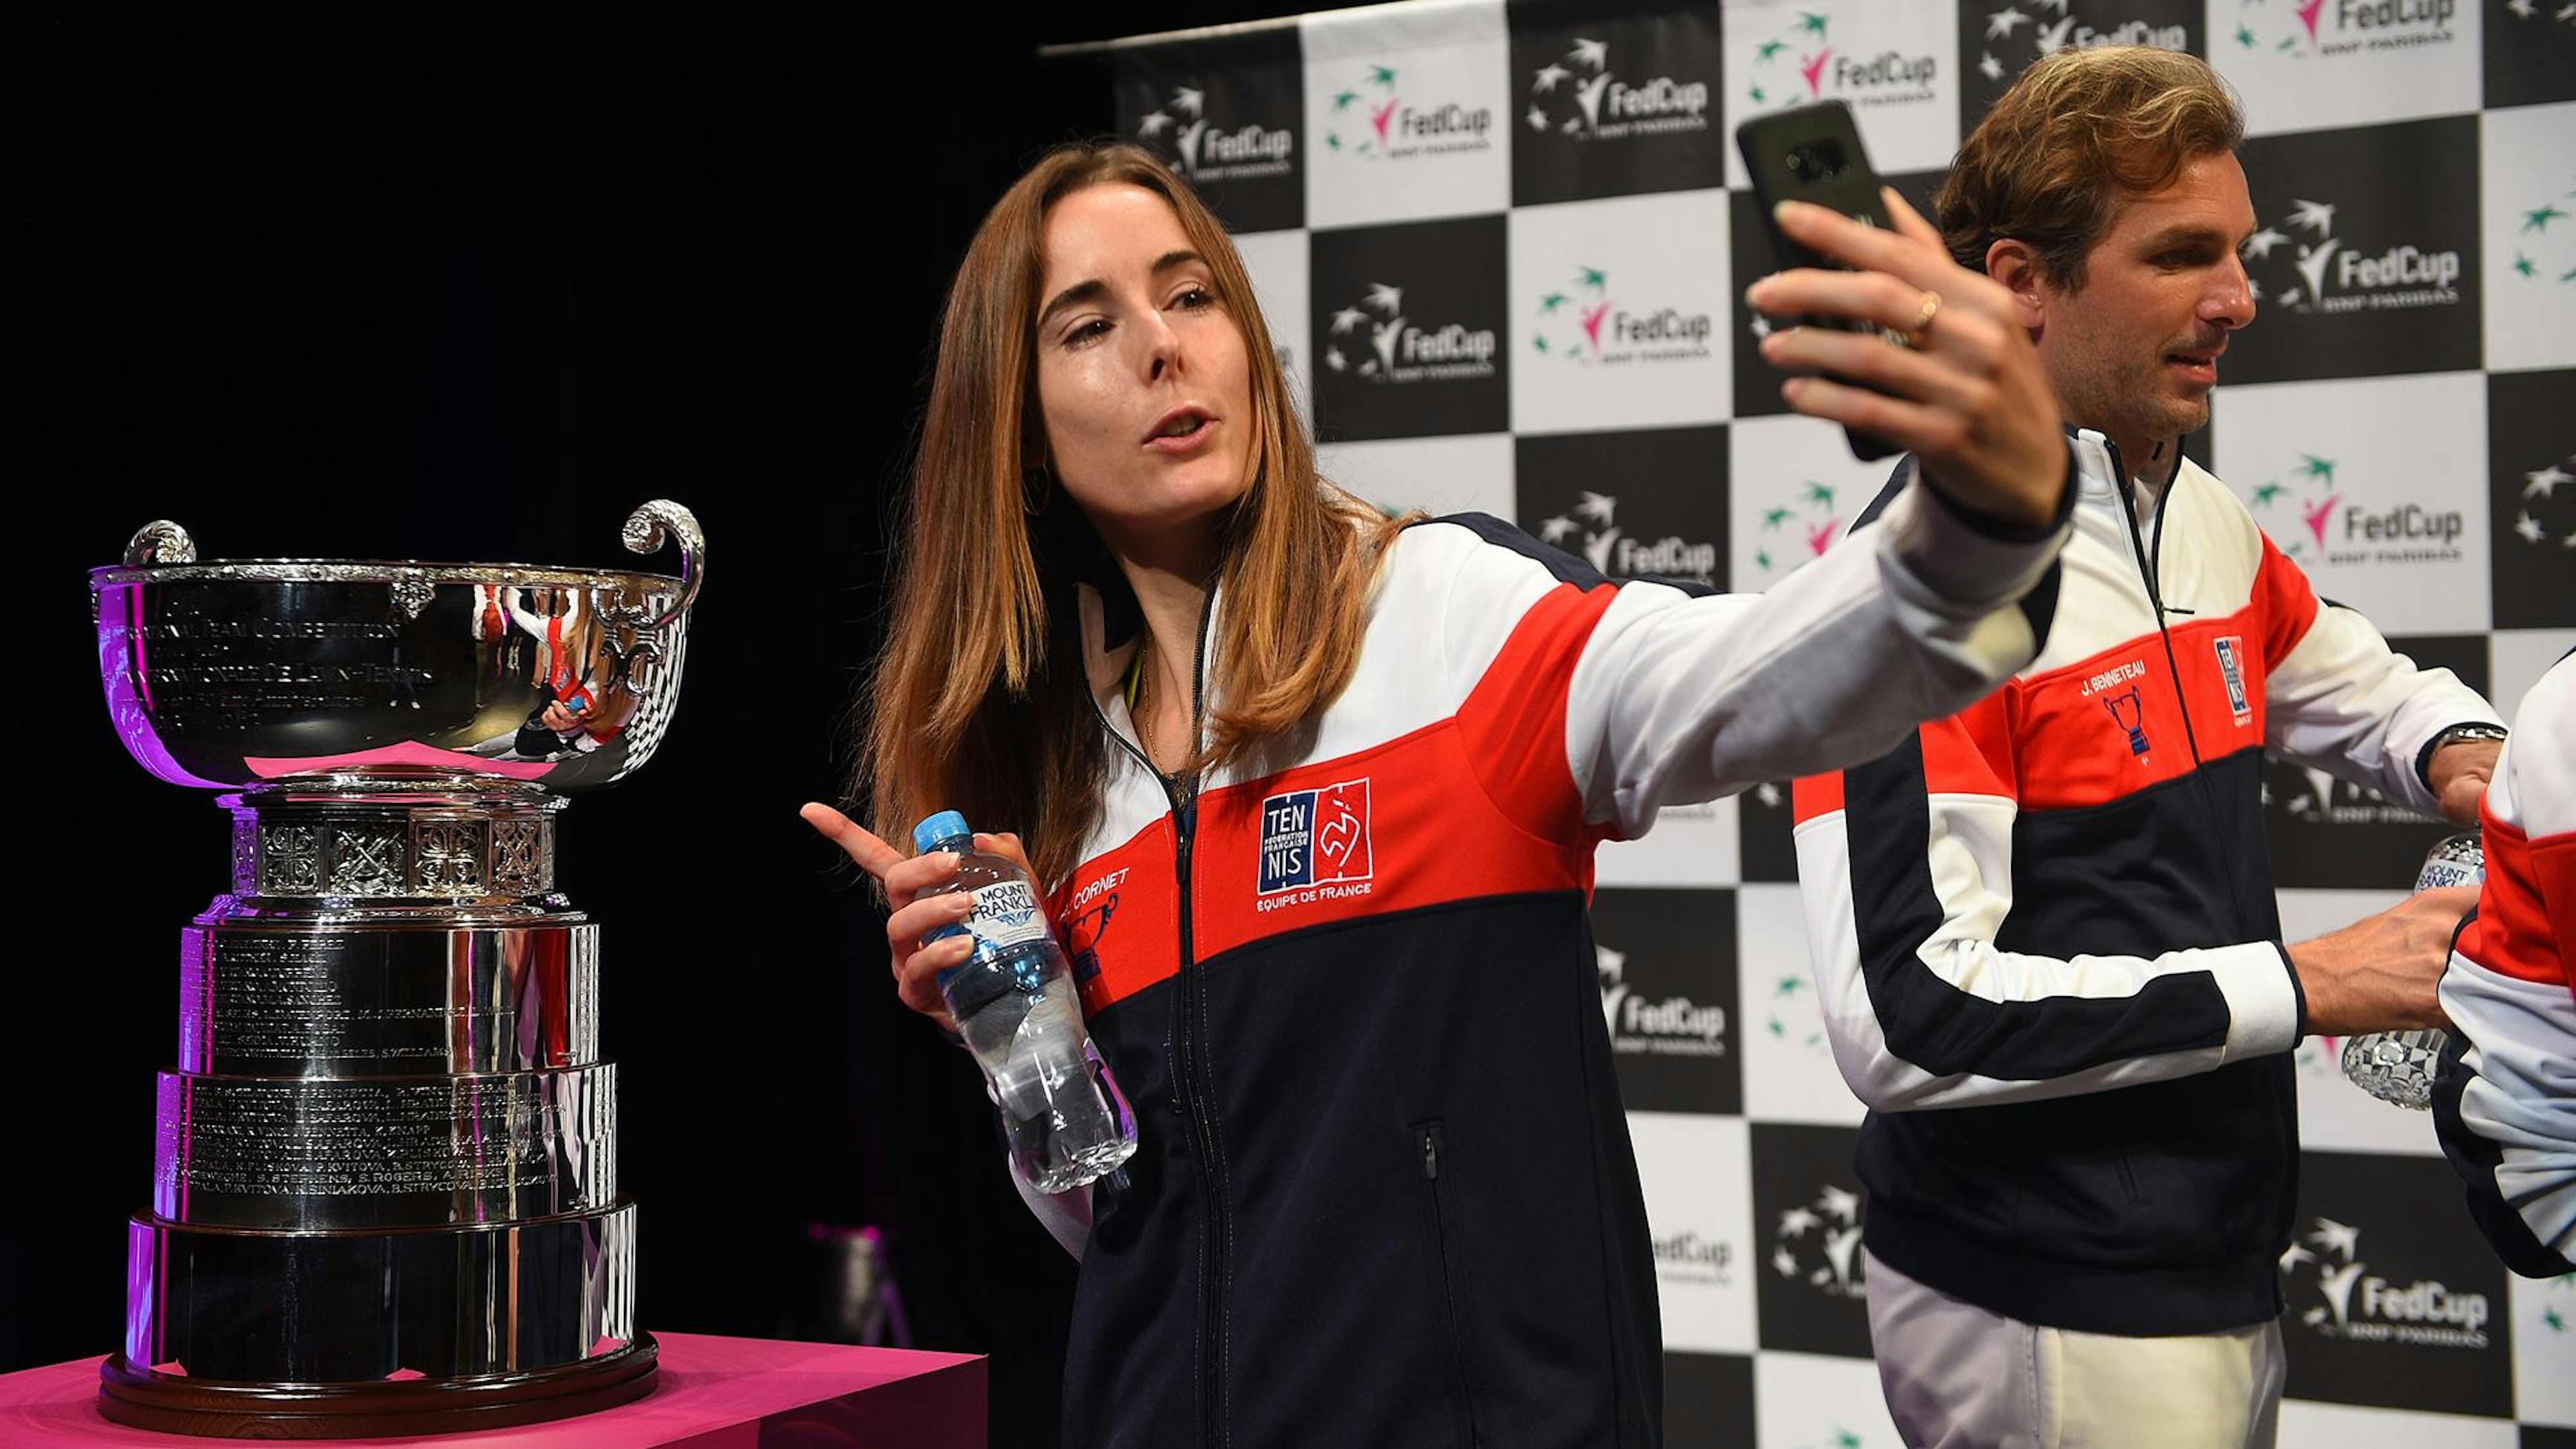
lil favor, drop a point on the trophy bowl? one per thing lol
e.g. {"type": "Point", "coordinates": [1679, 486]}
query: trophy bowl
{"type": "Point", "coordinates": [385, 1193]}
{"type": "Point", "coordinates": [245, 672]}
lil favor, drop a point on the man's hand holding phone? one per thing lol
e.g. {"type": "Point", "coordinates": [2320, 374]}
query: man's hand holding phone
{"type": "Point", "coordinates": [1964, 391]}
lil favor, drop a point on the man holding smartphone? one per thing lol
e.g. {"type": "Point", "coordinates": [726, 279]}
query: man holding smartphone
{"type": "Point", "coordinates": [2048, 949]}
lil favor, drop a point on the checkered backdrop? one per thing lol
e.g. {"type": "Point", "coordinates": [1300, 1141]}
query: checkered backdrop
{"type": "Point", "coordinates": [1501, 248]}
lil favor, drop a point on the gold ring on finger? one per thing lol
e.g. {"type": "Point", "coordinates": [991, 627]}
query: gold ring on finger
{"type": "Point", "coordinates": [1921, 332]}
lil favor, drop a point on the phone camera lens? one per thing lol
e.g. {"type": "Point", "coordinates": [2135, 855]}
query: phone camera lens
{"type": "Point", "coordinates": [1817, 160]}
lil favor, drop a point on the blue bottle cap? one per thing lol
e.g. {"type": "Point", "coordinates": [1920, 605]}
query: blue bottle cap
{"type": "Point", "coordinates": [946, 825]}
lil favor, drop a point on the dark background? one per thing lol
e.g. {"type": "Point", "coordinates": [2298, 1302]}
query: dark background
{"type": "Point", "coordinates": [447, 282]}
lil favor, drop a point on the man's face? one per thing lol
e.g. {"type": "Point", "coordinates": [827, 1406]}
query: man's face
{"type": "Point", "coordinates": [2134, 354]}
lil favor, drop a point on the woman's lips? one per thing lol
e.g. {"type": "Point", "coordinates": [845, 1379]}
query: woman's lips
{"type": "Point", "coordinates": [1163, 439]}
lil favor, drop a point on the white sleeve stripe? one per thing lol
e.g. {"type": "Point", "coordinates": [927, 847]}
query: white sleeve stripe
{"type": "Point", "coordinates": [1946, 1019]}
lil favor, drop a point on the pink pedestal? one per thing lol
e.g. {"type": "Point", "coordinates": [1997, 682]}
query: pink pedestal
{"type": "Point", "coordinates": [714, 1393]}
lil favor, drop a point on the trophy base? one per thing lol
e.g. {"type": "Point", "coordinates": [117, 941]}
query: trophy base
{"type": "Point", "coordinates": [172, 1404]}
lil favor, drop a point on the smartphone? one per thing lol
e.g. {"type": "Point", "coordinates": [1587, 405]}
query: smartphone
{"type": "Point", "coordinates": [1813, 153]}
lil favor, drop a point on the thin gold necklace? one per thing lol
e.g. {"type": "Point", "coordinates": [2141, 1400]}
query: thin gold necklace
{"type": "Point", "coordinates": [1140, 696]}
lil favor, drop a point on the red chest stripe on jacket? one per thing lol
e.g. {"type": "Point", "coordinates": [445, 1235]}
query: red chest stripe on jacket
{"type": "Point", "coordinates": [2097, 730]}
{"type": "Point", "coordinates": [1398, 827]}
{"type": "Point", "coordinates": [1480, 804]}
{"type": "Point", "coordinates": [2512, 934]}
{"type": "Point", "coordinates": [1120, 917]}
{"type": "Point", "coordinates": [2106, 727]}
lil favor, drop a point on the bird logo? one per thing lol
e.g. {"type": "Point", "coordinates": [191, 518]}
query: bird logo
{"type": "Point", "coordinates": [1813, 68]}
{"type": "Point", "coordinates": [2541, 519]}
{"type": "Point", "coordinates": [1373, 97]}
{"type": "Point", "coordinates": [1817, 521]}
{"type": "Point", "coordinates": [2318, 514]}
{"type": "Point", "coordinates": [1818, 1242]}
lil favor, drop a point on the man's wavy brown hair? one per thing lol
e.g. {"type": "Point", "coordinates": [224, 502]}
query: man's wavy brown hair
{"type": "Point", "coordinates": [2079, 132]}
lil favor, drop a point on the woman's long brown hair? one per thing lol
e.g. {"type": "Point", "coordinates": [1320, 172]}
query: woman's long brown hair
{"type": "Point", "coordinates": [978, 701]}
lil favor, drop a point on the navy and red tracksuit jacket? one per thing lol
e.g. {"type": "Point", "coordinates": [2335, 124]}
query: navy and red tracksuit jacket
{"type": "Point", "coordinates": [2045, 936]}
{"type": "Point", "coordinates": [2504, 1099]}
{"type": "Point", "coordinates": [1384, 1192]}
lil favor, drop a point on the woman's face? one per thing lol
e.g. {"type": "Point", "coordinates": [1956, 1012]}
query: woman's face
{"type": "Point", "coordinates": [1144, 380]}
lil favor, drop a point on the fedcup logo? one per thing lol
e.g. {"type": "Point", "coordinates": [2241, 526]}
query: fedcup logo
{"type": "Point", "coordinates": [1798, 529]}
{"type": "Point", "coordinates": [2316, 797]}
{"type": "Point", "coordinates": [2544, 239]}
{"type": "Point", "coordinates": [1804, 64]}
{"type": "Point", "coordinates": [1594, 517]}
{"type": "Point", "coordinates": [1569, 318]}
{"type": "Point", "coordinates": [2332, 28]}
{"type": "Point", "coordinates": [1204, 151]}
{"type": "Point", "coordinates": [1315, 844]}
{"type": "Point", "coordinates": [1383, 345]}
{"type": "Point", "coordinates": [1818, 1244]}
{"type": "Point", "coordinates": [1580, 322]}
{"type": "Point", "coordinates": [1673, 1026]}
{"type": "Point", "coordinates": [1370, 118]}
{"type": "Point", "coordinates": [2562, 14]}
{"type": "Point", "coordinates": [2310, 491]}
{"type": "Point", "coordinates": [1790, 1014]}
{"type": "Point", "coordinates": [1688, 1256]}
{"type": "Point", "coordinates": [1578, 95]}
{"type": "Point", "coordinates": [2324, 273]}
{"type": "Point", "coordinates": [2324, 1269]}
{"type": "Point", "coordinates": [2332, 530]}
{"type": "Point", "coordinates": [2543, 518]}
{"type": "Point", "coordinates": [2005, 35]}
{"type": "Point", "coordinates": [2320, 1057]}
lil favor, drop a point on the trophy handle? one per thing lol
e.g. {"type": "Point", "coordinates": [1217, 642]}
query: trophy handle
{"type": "Point", "coordinates": [162, 542]}
{"type": "Point", "coordinates": [647, 528]}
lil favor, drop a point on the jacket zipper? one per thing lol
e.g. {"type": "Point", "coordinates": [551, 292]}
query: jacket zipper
{"type": "Point", "coordinates": [2173, 667]}
{"type": "Point", "coordinates": [1429, 1134]}
{"type": "Point", "coordinates": [1193, 1089]}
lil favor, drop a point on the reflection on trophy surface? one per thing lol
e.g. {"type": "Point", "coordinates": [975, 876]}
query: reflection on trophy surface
{"type": "Point", "coordinates": [385, 1191]}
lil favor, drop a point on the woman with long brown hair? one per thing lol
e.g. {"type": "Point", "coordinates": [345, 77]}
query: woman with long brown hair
{"type": "Point", "coordinates": [1315, 793]}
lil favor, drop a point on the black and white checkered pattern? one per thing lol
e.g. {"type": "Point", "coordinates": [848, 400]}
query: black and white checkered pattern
{"type": "Point", "coordinates": [1502, 247]}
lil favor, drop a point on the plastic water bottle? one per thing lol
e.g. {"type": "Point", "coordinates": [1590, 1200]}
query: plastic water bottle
{"type": "Point", "coordinates": [2397, 1066]}
{"type": "Point", "coordinates": [1015, 1003]}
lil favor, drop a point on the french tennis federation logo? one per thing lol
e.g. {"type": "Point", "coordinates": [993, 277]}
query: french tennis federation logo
{"type": "Point", "coordinates": [1317, 841]}
{"type": "Point", "coordinates": [2231, 668]}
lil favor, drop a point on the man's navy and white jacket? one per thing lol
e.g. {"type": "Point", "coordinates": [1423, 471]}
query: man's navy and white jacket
{"type": "Point", "coordinates": [2504, 1101]}
{"type": "Point", "coordinates": [1383, 1192]}
{"type": "Point", "coordinates": [2044, 929]}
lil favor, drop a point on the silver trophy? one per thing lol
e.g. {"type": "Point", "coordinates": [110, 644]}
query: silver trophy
{"type": "Point", "coordinates": [385, 1192]}
{"type": "Point", "coordinates": [2397, 1066]}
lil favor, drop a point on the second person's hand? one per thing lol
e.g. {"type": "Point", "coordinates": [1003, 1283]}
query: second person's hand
{"type": "Point", "coordinates": [2381, 972]}
{"type": "Point", "coordinates": [1967, 396]}
{"type": "Point", "coordinates": [910, 916]}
